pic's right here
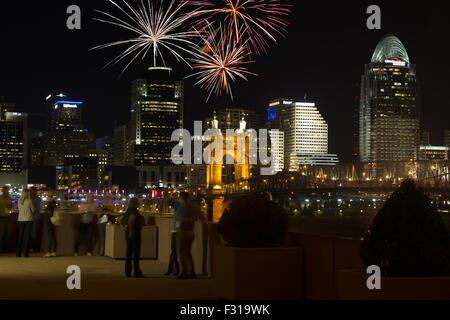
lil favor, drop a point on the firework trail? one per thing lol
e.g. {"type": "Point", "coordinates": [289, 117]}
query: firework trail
{"type": "Point", "coordinates": [219, 61]}
{"type": "Point", "coordinates": [257, 20]}
{"type": "Point", "coordinates": [157, 28]}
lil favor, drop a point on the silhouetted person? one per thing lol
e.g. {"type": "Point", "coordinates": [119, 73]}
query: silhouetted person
{"type": "Point", "coordinates": [37, 221]}
{"type": "Point", "coordinates": [6, 206]}
{"type": "Point", "coordinates": [25, 220]}
{"type": "Point", "coordinates": [86, 227]}
{"type": "Point", "coordinates": [133, 222]}
{"type": "Point", "coordinates": [186, 216]}
{"type": "Point", "coordinates": [50, 227]}
{"type": "Point", "coordinates": [174, 266]}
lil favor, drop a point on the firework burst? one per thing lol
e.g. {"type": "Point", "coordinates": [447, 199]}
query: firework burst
{"type": "Point", "coordinates": [261, 20]}
{"type": "Point", "coordinates": [219, 61]}
{"type": "Point", "coordinates": [157, 28]}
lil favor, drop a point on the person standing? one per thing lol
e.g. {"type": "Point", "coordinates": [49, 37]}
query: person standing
{"type": "Point", "coordinates": [174, 266]}
{"type": "Point", "coordinates": [186, 216]}
{"type": "Point", "coordinates": [37, 221]}
{"type": "Point", "coordinates": [26, 210]}
{"type": "Point", "coordinates": [133, 222]}
{"type": "Point", "coordinates": [50, 227]}
{"type": "Point", "coordinates": [6, 206]}
{"type": "Point", "coordinates": [86, 228]}
{"type": "Point", "coordinates": [103, 220]}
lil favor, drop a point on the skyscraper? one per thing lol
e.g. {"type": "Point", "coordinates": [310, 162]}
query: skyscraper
{"type": "Point", "coordinates": [65, 135]}
{"type": "Point", "coordinates": [305, 133]}
{"type": "Point", "coordinates": [122, 149]}
{"type": "Point", "coordinates": [13, 139]}
{"type": "Point", "coordinates": [157, 101]}
{"type": "Point", "coordinates": [106, 144]}
{"type": "Point", "coordinates": [355, 153]}
{"type": "Point", "coordinates": [389, 110]}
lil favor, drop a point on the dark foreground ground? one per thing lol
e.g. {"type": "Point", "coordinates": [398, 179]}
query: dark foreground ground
{"type": "Point", "coordinates": [102, 279]}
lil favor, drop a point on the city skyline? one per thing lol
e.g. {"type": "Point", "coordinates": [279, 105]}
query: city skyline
{"type": "Point", "coordinates": [225, 150]}
{"type": "Point", "coordinates": [328, 71]}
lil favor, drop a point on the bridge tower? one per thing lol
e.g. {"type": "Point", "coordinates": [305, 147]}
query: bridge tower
{"type": "Point", "coordinates": [239, 151]}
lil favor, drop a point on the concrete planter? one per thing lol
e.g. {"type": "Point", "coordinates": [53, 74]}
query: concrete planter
{"type": "Point", "coordinates": [258, 274]}
{"type": "Point", "coordinates": [352, 285]}
{"type": "Point", "coordinates": [115, 246]}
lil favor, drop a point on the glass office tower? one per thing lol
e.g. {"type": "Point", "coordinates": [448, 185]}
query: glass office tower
{"type": "Point", "coordinates": [389, 109]}
{"type": "Point", "coordinates": [157, 111]}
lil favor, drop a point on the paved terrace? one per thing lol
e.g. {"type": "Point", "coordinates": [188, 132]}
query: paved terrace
{"type": "Point", "coordinates": [102, 279]}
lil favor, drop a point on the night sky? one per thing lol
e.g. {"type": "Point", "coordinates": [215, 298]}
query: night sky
{"type": "Point", "coordinates": [323, 56]}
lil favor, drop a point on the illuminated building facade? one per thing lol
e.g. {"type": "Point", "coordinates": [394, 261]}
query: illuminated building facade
{"type": "Point", "coordinates": [106, 144]}
{"type": "Point", "coordinates": [78, 174]}
{"type": "Point", "coordinates": [277, 149]}
{"type": "Point", "coordinates": [35, 138]}
{"type": "Point", "coordinates": [305, 133]}
{"type": "Point", "coordinates": [13, 139]}
{"type": "Point", "coordinates": [157, 111]}
{"type": "Point", "coordinates": [389, 110]}
{"type": "Point", "coordinates": [123, 146]}
{"type": "Point", "coordinates": [102, 159]}
{"type": "Point", "coordinates": [427, 152]}
{"type": "Point", "coordinates": [163, 177]}
{"type": "Point", "coordinates": [355, 153]}
{"type": "Point", "coordinates": [65, 135]}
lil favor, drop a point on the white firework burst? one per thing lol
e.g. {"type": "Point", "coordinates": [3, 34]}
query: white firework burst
{"type": "Point", "coordinates": [157, 28]}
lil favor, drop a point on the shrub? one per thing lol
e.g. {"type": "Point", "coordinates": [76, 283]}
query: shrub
{"type": "Point", "coordinates": [254, 222]}
{"type": "Point", "coordinates": [407, 237]}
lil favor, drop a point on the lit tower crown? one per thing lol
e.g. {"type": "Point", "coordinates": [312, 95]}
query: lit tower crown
{"type": "Point", "coordinates": [390, 48]}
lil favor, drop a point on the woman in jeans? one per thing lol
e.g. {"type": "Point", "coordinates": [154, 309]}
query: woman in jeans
{"type": "Point", "coordinates": [25, 220]}
{"type": "Point", "coordinates": [50, 228]}
{"type": "Point", "coordinates": [133, 222]}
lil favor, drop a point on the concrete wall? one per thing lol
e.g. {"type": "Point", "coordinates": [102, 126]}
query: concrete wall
{"type": "Point", "coordinates": [353, 227]}
{"type": "Point", "coordinates": [66, 235]}
{"type": "Point", "coordinates": [323, 258]}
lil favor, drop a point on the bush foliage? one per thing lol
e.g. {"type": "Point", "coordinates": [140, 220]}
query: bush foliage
{"type": "Point", "coordinates": [407, 237]}
{"type": "Point", "coordinates": [254, 222]}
